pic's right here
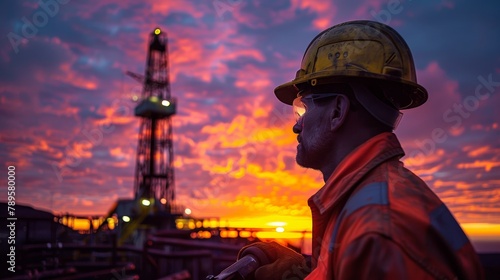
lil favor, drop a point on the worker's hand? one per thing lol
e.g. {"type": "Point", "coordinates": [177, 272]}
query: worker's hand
{"type": "Point", "coordinates": [284, 263]}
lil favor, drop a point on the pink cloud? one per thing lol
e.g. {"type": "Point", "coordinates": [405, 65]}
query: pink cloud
{"type": "Point", "coordinates": [443, 94]}
{"type": "Point", "coordinates": [326, 11]}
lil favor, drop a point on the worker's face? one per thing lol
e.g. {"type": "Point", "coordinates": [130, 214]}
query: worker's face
{"type": "Point", "coordinates": [314, 133]}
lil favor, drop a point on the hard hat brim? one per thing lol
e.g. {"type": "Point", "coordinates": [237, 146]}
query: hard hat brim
{"type": "Point", "coordinates": [402, 93]}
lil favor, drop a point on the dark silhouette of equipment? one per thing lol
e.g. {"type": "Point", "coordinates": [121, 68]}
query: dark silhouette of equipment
{"type": "Point", "coordinates": [154, 173]}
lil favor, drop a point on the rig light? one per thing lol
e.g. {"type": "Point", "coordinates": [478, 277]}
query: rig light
{"type": "Point", "coordinates": [153, 98]}
{"type": "Point", "coordinates": [146, 202]}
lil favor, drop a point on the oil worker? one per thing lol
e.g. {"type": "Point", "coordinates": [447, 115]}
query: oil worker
{"type": "Point", "coordinates": [373, 218]}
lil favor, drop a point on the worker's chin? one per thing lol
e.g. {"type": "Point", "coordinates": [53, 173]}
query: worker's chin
{"type": "Point", "coordinates": [308, 158]}
{"type": "Point", "coordinates": [301, 158]}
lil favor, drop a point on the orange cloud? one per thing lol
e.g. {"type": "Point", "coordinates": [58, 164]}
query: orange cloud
{"type": "Point", "coordinates": [475, 152]}
{"type": "Point", "coordinates": [487, 165]}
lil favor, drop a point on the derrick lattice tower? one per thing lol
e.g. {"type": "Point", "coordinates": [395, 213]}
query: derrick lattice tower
{"type": "Point", "coordinates": [154, 173]}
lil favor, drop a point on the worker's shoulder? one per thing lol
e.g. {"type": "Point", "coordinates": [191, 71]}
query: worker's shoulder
{"type": "Point", "coordinates": [387, 200]}
{"type": "Point", "coordinates": [400, 208]}
{"type": "Point", "coordinates": [394, 202]}
{"type": "Point", "coordinates": [402, 190]}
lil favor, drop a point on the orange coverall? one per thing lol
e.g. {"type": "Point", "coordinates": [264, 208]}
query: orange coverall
{"type": "Point", "coordinates": [374, 219]}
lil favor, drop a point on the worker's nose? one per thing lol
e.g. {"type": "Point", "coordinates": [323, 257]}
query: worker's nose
{"type": "Point", "coordinates": [297, 128]}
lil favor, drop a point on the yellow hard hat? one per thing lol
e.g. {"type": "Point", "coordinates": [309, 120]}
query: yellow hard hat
{"type": "Point", "coordinates": [359, 51]}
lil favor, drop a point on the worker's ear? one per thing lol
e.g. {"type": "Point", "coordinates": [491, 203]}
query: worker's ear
{"type": "Point", "coordinates": [339, 109]}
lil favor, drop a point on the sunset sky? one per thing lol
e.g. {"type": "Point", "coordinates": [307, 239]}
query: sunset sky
{"type": "Point", "coordinates": [67, 121]}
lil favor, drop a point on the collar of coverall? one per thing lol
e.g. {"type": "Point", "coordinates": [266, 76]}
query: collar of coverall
{"type": "Point", "coordinates": [353, 168]}
{"type": "Point", "coordinates": [383, 112]}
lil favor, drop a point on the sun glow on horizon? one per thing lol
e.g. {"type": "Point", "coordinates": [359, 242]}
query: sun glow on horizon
{"type": "Point", "coordinates": [482, 230]}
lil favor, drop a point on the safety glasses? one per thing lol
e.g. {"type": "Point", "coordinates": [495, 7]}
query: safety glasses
{"type": "Point", "coordinates": [300, 106]}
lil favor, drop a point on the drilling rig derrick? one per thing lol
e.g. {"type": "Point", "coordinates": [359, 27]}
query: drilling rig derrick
{"type": "Point", "coordinates": [154, 173]}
